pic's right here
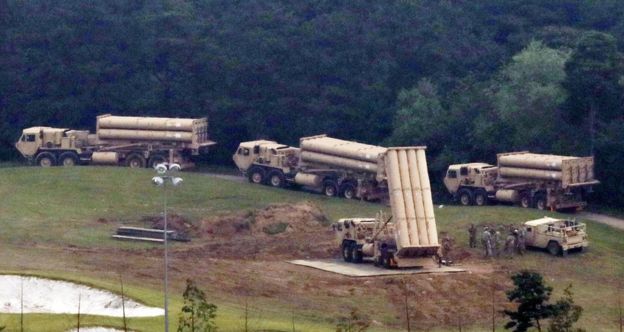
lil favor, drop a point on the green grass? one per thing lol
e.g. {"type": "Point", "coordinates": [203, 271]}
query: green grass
{"type": "Point", "coordinates": [46, 212]}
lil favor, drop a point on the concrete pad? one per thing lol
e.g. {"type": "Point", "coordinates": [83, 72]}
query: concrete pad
{"type": "Point", "coordinates": [367, 269]}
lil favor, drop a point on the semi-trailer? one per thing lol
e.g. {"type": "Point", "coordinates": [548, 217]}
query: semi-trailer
{"type": "Point", "coordinates": [535, 180]}
{"type": "Point", "coordinates": [332, 166]}
{"type": "Point", "coordinates": [119, 140]}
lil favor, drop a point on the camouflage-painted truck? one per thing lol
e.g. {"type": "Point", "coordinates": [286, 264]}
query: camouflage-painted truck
{"type": "Point", "coordinates": [332, 166]}
{"type": "Point", "coordinates": [528, 179]}
{"type": "Point", "coordinates": [119, 140]}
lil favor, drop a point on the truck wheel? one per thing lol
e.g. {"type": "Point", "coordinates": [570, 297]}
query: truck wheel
{"type": "Point", "coordinates": [358, 257]}
{"type": "Point", "coordinates": [553, 248]}
{"type": "Point", "coordinates": [348, 191]}
{"type": "Point", "coordinates": [525, 201]}
{"type": "Point", "coordinates": [329, 188]}
{"type": "Point", "coordinates": [135, 161]}
{"type": "Point", "coordinates": [465, 197]}
{"type": "Point", "coordinates": [68, 159]}
{"type": "Point", "coordinates": [276, 179]}
{"type": "Point", "coordinates": [256, 175]}
{"type": "Point", "coordinates": [347, 251]}
{"type": "Point", "coordinates": [156, 160]}
{"type": "Point", "coordinates": [46, 159]}
{"type": "Point", "coordinates": [540, 202]}
{"type": "Point", "coordinates": [481, 198]}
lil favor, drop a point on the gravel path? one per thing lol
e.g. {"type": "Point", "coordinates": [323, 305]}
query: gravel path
{"type": "Point", "coordinates": [601, 218]}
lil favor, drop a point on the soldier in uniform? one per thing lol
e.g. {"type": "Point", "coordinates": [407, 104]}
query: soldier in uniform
{"type": "Point", "coordinates": [472, 234]}
{"type": "Point", "coordinates": [496, 239]}
{"type": "Point", "coordinates": [486, 239]}
{"type": "Point", "coordinates": [447, 247]}
{"type": "Point", "coordinates": [521, 244]}
{"type": "Point", "coordinates": [510, 245]}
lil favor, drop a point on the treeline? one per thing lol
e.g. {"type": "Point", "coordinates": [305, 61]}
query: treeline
{"type": "Point", "coordinates": [467, 78]}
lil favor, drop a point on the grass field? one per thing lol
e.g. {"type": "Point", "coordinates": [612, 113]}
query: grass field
{"type": "Point", "coordinates": [51, 217]}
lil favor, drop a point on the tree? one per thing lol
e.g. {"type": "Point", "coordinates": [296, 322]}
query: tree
{"type": "Point", "coordinates": [566, 313]}
{"type": "Point", "coordinates": [528, 94]}
{"type": "Point", "coordinates": [593, 79]}
{"type": "Point", "coordinates": [197, 314]}
{"type": "Point", "coordinates": [354, 323]}
{"type": "Point", "coordinates": [532, 297]}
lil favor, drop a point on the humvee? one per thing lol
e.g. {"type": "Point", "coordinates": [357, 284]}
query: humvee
{"type": "Point", "coordinates": [558, 236]}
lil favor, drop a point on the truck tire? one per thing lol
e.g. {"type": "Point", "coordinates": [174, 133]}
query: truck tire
{"type": "Point", "coordinates": [329, 188]}
{"type": "Point", "coordinates": [540, 202]}
{"type": "Point", "coordinates": [46, 159]}
{"type": "Point", "coordinates": [276, 179]}
{"type": "Point", "coordinates": [155, 160]}
{"type": "Point", "coordinates": [465, 197]}
{"type": "Point", "coordinates": [68, 159]}
{"type": "Point", "coordinates": [135, 160]}
{"type": "Point", "coordinates": [525, 201]}
{"type": "Point", "coordinates": [480, 198]}
{"type": "Point", "coordinates": [554, 248]}
{"type": "Point", "coordinates": [256, 175]}
{"type": "Point", "coordinates": [347, 251]}
{"type": "Point", "coordinates": [348, 191]}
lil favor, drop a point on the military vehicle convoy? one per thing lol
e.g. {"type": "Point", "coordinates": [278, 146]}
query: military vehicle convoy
{"type": "Point", "coordinates": [558, 236]}
{"type": "Point", "coordinates": [528, 179]}
{"type": "Point", "coordinates": [119, 140]}
{"type": "Point", "coordinates": [409, 238]}
{"type": "Point", "coordinates": [332, 166]}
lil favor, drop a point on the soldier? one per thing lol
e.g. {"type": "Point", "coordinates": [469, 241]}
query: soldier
{"type": "Point", "coordinates": [447, 247]}
{"type": "Point", "coordinates": [496, 243]}
{"type": "Point", "coordinates": [521, 244]}
{"type": "Point", "coordinates": [486, 239]}
{"type": "Point", "coordinates": [472, 234]}
{"type": "Point", "coordinates": [510, 245]}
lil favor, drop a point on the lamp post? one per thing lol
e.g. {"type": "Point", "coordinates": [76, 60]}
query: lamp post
{"type": "Point", "coordinates": [165, 175]}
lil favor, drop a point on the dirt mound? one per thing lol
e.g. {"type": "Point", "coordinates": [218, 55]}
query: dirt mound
{"type": "Point", "coordinates": [174, 222]}
{"type": "Point", "coordinates": [276, 232]}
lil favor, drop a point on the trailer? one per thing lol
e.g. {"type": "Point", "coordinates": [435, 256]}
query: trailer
{"type": "Point", "coordinates": [119, 140]}
{"type": "Point", "coordinates": [329, 165]}
{"type": "Point", "coordinates": [528, 179]}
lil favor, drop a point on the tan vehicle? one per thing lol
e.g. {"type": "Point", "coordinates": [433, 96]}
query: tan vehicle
{"type": "Point", "coordinates": [119, 140]}
{"type": "Point", "coordinates": [409, 238]}
{"type": "Point", "coordinates": [558, 236]}
{"type": "Point", "coordinates": [528, 179]}
{"type": "Point", "coordinates": [332, 166]}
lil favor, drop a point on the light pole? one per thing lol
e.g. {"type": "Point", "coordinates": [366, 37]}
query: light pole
{"type": "Point", "coordinates": [165, 175]}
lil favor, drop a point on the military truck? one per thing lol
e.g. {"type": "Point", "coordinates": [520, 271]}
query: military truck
{"type": "Point", "coordinates": [528, 179]}
{"type": "Point", "coordinates": [558, 236]}
{"type": "Point", "coordinates": [409, 238]}
{"type": "Point", "coordinates": [119, 140]}
{"type": "Point", "coordinates": [332, 166]}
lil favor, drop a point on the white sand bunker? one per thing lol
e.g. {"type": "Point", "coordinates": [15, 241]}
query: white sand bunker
{"type": "Point", "coordinates": [61, 297]}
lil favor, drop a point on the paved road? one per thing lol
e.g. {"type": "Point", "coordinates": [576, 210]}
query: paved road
{"type": "Point", "coordinates": [601, 218]}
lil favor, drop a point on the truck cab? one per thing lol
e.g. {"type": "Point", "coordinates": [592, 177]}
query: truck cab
{"type": "Point", "coordinates": [263, 160]}
{"type": "Point", "coordinates": [473, 181]}
{"type": "Point", "coordinates": [558, 236]}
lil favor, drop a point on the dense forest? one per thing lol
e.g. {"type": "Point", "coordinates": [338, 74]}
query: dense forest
{"type": "Point", "coordinates": [466, 78]}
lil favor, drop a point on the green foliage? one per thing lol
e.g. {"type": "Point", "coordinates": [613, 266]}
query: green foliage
{"type": "Point", "coordinates": [355, 322]}
{"type": "Point", "coordinates": [532, 297]}
{"type": "Point", "coordinates": [197, 314]}
{"type": "Point", "coordinates": [566, 314]}
{"type": "Point", "coordinates": [528, 96]}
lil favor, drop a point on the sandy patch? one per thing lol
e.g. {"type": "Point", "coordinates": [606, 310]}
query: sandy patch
{"type": "Point", "coordinates": [61, 297]}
